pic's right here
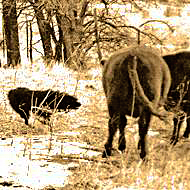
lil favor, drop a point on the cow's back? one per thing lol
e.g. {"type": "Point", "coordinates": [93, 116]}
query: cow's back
{"type": "Point", "coordinates": [117, 84]}
{"type": "Point", "coordinates": [179, 65]}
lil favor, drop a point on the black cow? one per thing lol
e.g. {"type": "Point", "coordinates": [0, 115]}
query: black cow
{"type": "Point", "coordinates": [21, 100]}
{"type": "Point", "coordinates": [136, 82]}
{"type": "Point", "coordinates": [179, 94]}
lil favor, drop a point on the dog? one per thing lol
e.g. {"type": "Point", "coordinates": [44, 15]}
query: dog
{"type": "Point", "coordinates": [23, 100]}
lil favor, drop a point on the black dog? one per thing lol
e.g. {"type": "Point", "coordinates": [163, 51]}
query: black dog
{"type": "Point", "coordinates": [22, 100]}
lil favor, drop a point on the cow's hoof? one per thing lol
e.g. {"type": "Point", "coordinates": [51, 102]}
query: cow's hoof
{"type": "Point", "coordinates": [173, 141]}
{"type": "Point", "coordinates": [122, 147]}
{"type": "Point", "coordinates": [143, 155]}
{"type": "Point", "coordinates": [186, 135]}
{"type": "Point", "coordinates": [106, 153]}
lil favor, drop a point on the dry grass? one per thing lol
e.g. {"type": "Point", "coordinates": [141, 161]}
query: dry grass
{"type": "Point", "coordinates": [167, 166]}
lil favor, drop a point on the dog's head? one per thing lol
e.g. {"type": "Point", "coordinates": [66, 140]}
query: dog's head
{"type": "Point", "coordinates": [69, 102]}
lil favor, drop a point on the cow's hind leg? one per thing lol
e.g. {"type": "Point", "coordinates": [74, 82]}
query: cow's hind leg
{"type": "Point", "coordinates": [187, 130]}
{"type": "Point", "coordinates": [143, 122]}
{"type": "Point", "coordinates": [175, 135]}
{"type": "Point", "coordinates": [112, 128]}
{"type": "Point", "coordinates": [122, 141]}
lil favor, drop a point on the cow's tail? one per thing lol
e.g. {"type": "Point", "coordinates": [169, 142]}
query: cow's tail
{"type": "Point", "coordinates": [133, 75]}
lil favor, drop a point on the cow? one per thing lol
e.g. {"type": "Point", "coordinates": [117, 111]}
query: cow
{"type": "Point", "coordinates": [179, 94]}
{"type": "Point", "coordinates": [136, 81]}
{"type": "Point", "coordinates": [22, 99]}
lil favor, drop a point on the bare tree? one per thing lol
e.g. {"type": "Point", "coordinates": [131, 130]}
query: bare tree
{"type": "Point", "coordinates": [76, 27]}
{"type": "Point", "coordinates": [11, 32]}
{"type": "Point", "coordinates": [70, 17]}
{"type": "Point", "coordinates": [44, 28]}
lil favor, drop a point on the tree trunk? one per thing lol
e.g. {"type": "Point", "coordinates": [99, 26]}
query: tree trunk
{"type": "Point", "coordinates": [72, 26]}
{"type": "Point", "coordinates": [44, 30]}
{"type": "Point", "coordinates": [67, 40]}
{"type": "Point", "coordinates": [59, 43]}
{"type": "Point", "coordinates": [71, 34]}
{"type": "Point", "coordinates": [11, 32]}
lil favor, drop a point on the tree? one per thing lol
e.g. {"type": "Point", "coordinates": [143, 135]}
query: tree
{"type": "Point", "coordinates": [44, 28]}
{"type": "Point", "coordinates": [11, 32]}
{"type": "Point", "coordinates": [76, 26]}
{"type": "Point", "coordinates": [70, 18]}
